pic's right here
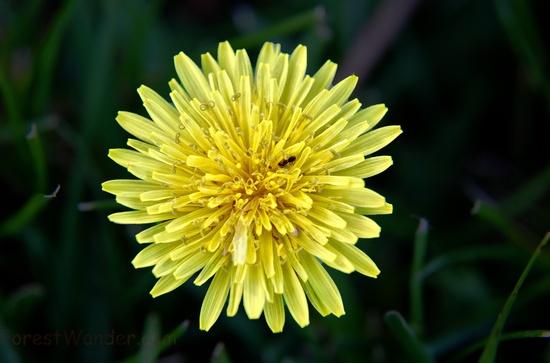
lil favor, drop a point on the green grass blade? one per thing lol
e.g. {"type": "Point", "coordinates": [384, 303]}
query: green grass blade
{"type": "Point", "coordinates": [414, 349]}
{"type": "Point", "coordinates": [18, 307]}
{"type": "Point", "coordinates": [503, 223]}
{"type": "Point", "coordinates": [289, 25]}
{"type": "Point", "coordinates": [148, 352]}
{"type": "Point", "coordinates": [416, 280]}
{"type": "Point", "coordinates": [47, 58]}
{"type": "Point", "coordinates": [98, 205]}
{"type": "Point", "coordinates": [467, 254]}
{"type": "Point", "coordinates": [38, 158]}
{"type": "Point", "coordinates": [15, 122]}
{"type": "Point", "coordinates": [24, 215]}
{"type": "Point", "coordinates": [171, 338]}
{"type": "Point", "coordinates": [490, 351]}
{"type": "Point", "coordinates": [22, 28]}
{"type": "Point", "coordinates": [507, 336]}
{"type": "Point", "coordinates": [166, 341]}
{"type": "Point", "coordinates": [529, 194]}
{"type": "Point", "coordinates": [84, 174]}
{"type": "Point", "coordinates": [519, 23]}
{"type": "Point", "coordinates": [220, 355]}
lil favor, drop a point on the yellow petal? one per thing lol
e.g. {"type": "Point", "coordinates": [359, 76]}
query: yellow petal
{"type": "Point", "coordinates": [340, 181]}
{"type": "Point", "coordinates": [129, 187]}
{"type": "Point", "coordinates": [268, 54]}
{"type": "Point", "coordinates": [214, 300]}
{"type": "Point", "coordinates": [212, 266]}
{"type": "Point", "coordinates": [277, 280]}
{"type": "Point", "coordinates": [322, 291]}
{"type": "Point", "coordinates": [313, 247]}
{"type": "Point", "coordinates": [133, 203]}
{"type": "Point", "coordinates": [235, 297]}
{"type": "Point", "coordinates": [165, 266]}
{"type": "Point", "coordinates": [138, 217]}
{"type": "Point", "coordinates": [280, 72]}
{"type": "Point", "coordinates": [385, 209]}
{"type": "Point", "coordinates": [240, 242]}
{"type": "Point", "coordinates": [254, 292]}
{"type": "Point", "coordinates": [129, 158]}
{"type": "Point", "coordinates": [243, 65]}
{"type": "Point", "coordinates": [347, 110]}
{"type": "Point", "coordinates": [166, 284]}
{"type": "Point", "coordinates": [326, 216]}
{"type": "Point", "coordinates": [275, 313]}
{"type": "Point", "coordinates": [328, 135]}
{"type": "Point", "coordinates": [180, 235]}
{"type": "Point", "coordinates": [363, 263]}
{"type": "Point", "coordinates": [341, 165]}
{"type": "Point", "coordinates": [317, 233]}
{"type": "Point", "coordinates": [244, 109]}
{"type": "Point", "coordinates": [183, 221]}
{"type": "Point", "coordinates": [361, 226]}
{"type": "Point", "coordinates": [359, 197]}
{"type": "Point", "coordinates": [341, 92]}
{"type": "Point", "coordinates": [340, 263]}
{"type": "Point", "coordinates": [151, 254]}
{"type": "Point", "coordinates": [176, 87]}
{"type": "Point", "coordinates": [322, 80]}
{"type": "Point", "coordinates": [209, 64]}
{"type": "Point", "coordinates": [226, 60]}
{"type": "Point", "coordinates": [192, 264]}
{"type": "Point", "coordinates": [372, 115]}
{"type": "Point", "coordinates": [331, 204]}
{"type": "Point", "coordinates": [148, 234]}
{"type": "Point", "coordinates": [344, 235]}
{"type": "Point", "coordinates": [372, 141]}
{"type": "Point", "coordinates": [153, 195]}
{"type": "Point", "coordinates": [137, 125]}
{"type": "Point", "coordinates": [351, 132]}
{"type": "Point", "coordinates": [322, 116]}
{"type": "Point", "coordinates": [165, 116]}
{"type": "Point", "coordinates": [223, 98]}
{"type": "Point", "coordinates": [366, 168]}
{"type": "Point", "coordinates": [296, 72]}
{"type": "Point", "coordinates": [267, 256]}
{"type": "Point", "coordinates": [192, 78]}
{"type": "Point", "coordinates": [294, 296]}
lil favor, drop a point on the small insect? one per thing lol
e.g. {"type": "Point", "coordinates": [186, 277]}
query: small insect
{"type": "Point", "coordinates": [290, 160]}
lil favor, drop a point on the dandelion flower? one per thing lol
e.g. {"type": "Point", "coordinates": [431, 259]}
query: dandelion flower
{"type": "Point", "coordinates": [253, 178]}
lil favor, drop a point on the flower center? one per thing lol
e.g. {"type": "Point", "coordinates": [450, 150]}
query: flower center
{"type": "Point", "coordinates": [258, 165]}
{"type": "Point", "coordinates": [260, 187]}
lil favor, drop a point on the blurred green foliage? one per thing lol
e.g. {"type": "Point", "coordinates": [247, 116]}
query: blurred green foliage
{"type": "Point", "coordinates": [469, 81]}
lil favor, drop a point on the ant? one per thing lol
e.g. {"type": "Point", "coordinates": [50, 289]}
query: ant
{"type": "Point", "coordinates": [287, 161]}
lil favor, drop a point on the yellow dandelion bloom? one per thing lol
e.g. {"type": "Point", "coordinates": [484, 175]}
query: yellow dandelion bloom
{"type": "Point", "coordinates": [254, 179]}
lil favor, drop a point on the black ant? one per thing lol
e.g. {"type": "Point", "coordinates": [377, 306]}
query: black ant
{"type": "Point", "coordinates": [287, 161]}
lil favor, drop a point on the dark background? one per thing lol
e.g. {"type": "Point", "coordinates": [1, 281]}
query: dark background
{"type": "Point", "coordinates": [467, 80]}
